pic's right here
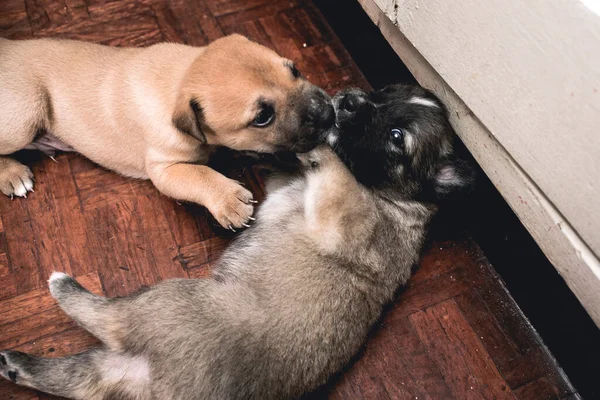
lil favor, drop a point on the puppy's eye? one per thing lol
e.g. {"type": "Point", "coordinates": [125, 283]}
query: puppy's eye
{"type": "Point", "coordinates": [397, 136]}
{"type": "Point", "coordinates": [264, 117]}
{"type": "Point", "coordinates": [295, 71]}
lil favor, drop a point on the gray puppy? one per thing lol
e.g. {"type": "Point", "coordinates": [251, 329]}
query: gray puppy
{"type": "Point", "coordinates": [293, 298]}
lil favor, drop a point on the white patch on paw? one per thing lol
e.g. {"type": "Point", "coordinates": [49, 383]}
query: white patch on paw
{"type": "Point", "coordinates": [24, 185]}
{"type": "Point", "coordinates": [15, 178]}
{"type": "Point", "coordinates": [57, 276]}
{"type": "Point", "coordinates": [28, 184]}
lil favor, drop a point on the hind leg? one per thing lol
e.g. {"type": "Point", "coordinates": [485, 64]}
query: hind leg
{"type": "Point", "coordinates": [102, 317]}
{"type": "Point", "coordinates": [93, 375]}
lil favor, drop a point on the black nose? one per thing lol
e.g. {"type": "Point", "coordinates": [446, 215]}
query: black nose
{"type": "Point", "coordinates": [351, 102]}
{"type": "Point", "coordinates": [321, 111]}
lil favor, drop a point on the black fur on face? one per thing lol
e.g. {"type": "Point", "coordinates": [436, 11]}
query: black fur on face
{"type": "Point", "coordinates": [399, 140]}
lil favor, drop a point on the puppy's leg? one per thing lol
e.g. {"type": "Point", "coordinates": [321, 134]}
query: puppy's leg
{"type": "Point", "coordinates": [104, 318]}
{"type": "Point", "coordinates": [226, 199]}
{"type": "Point", "coordinates": [25, 108]}
{"type": "Point", "coordinates": [94, 374]}
{"type": "Point", "coordinates": [15, 178]}
{"type": "Point", "coordinates": [17, 130]}
{"type": "Point", "coordinates": [339, 213]}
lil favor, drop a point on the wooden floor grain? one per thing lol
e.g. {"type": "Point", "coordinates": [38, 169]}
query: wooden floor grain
{"type": "Point", "coordinates": [453, 333]}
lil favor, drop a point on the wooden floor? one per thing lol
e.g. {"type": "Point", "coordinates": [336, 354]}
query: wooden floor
{"type": "Point", "coordinates": [454, 332]}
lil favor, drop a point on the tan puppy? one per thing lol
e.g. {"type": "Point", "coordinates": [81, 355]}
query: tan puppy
{"type": "Point", "coordinates": [156, 112]}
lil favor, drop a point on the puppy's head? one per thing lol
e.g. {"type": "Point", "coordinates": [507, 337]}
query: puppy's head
{"type": "Point", "coordinates": [398, 138]}
{"type": "Point", "coordinates": [242, 95]}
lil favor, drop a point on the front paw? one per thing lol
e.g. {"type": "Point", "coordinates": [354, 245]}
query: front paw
{"type": "Point", "coordinates": [15, 178]}
{"type": "Point", "coordinates": [233, 206]}
{"type": "Point", "coordinates": [317, 158]}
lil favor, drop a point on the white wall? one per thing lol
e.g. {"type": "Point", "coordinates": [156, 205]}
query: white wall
{"type": "Point", "coordinates": [529, 71]}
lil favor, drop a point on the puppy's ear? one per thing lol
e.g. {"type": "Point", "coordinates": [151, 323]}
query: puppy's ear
{"type": "Point", "coordinates": [188, 118]}
{"type": "Point", "coordinates": [453, 178]}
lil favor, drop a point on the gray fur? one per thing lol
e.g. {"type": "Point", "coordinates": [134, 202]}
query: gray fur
{"type": "Point", "coordinates": [288, 305]}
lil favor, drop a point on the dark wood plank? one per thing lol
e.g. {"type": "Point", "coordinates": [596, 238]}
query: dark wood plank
{"type": "Point", "coordinates": [2, 240]}
{"type": "Point", "coordinates": [22, 252]}
{"type": "Point", "coordinates": [399, 363]}
{"type": "Point", "coordinates": [253, 30]}
{"type": "Point", "coordinates": [15, 26]}
{"type": "Point", "coordinates": [12, 7]}
{"type": "Point", "coordinates": [186, 21]}
{"type": "Point", "coordinates": [157, 239]}
{"type": "Point", "coordinates": [537, 364]}
{"type": "Point", "coordinates": [122, 249]}
{"type": "Point", "coordinates": [182, 222]}
{"type": "Point", "coordinates": [98, 187]}
{"type": "Point", "coordinates": [574, 396]}
{"type": "Point", "coordinates": [268, 9]}
{"type": "Point", "coordinates": [422, 295]}
{"type": "Point", "coordinates": [70, 341]}
{"type": "Point", "coordinates": [55, 198]}
{"type": "Point", "coordinates": [199, 256]}
{"type": "Point", "coordinates": [305, 33]}
{"type": "Point", "coordinates": [34, 315]}
{"type": "Point", "coordinates": [539, 389]}
{"type": "Point", "coordinates": [463, 361]}
{"type": "Point", "coordinates": [9, 287]}
{"type": "Point", "coordinates": [521, 363]}
{"type": "Point", "coordinates": [7, 391]}
{"type": "Point", "coordinates": [44, 14]}
{"type": "Point", "coordinates": [117, 24]}
{"type": "Point", "coordinates": [509, 316]}
{"type": "Point", "coordinates": [500, 348]}
{"type": "Point", "coordinates": [222, 7]}
{"type": "Point", "coordinates": [4, 269]}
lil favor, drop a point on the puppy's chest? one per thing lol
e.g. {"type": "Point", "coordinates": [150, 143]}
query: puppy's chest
{"type": "Point", "coordinates": [284, 204]}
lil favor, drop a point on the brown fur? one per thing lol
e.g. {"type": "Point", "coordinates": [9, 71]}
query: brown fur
{"type": "Point", "coordinates": [154, 113]}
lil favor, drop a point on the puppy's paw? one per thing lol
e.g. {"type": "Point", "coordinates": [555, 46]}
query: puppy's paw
{"type": "Point", "coordinates": [15, 178]}
{"type": "Point", "coordinates": [317, 158]}
{"type": "Point", "coordinates": [234, 207]}
{"type": "Point", "coordinates": [62, 285]}
{"type": "Point", "coordinates": [13, 365]}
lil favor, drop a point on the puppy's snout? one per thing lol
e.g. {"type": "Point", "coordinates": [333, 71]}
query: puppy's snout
{"type": "Point", "coordinates": [320, 110]}
{"type": "Point", "coordinates": [351, 102]}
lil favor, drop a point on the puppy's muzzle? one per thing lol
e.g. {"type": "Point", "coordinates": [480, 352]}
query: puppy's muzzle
{"type": "Point", "coordinates": [320, 113]}
{"type": "Point", "coordinates": [318, 118]}
{"type": "Point", "coordinates": [351, 102]}
{"type": "Point", "coordinates": [348, 104]}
